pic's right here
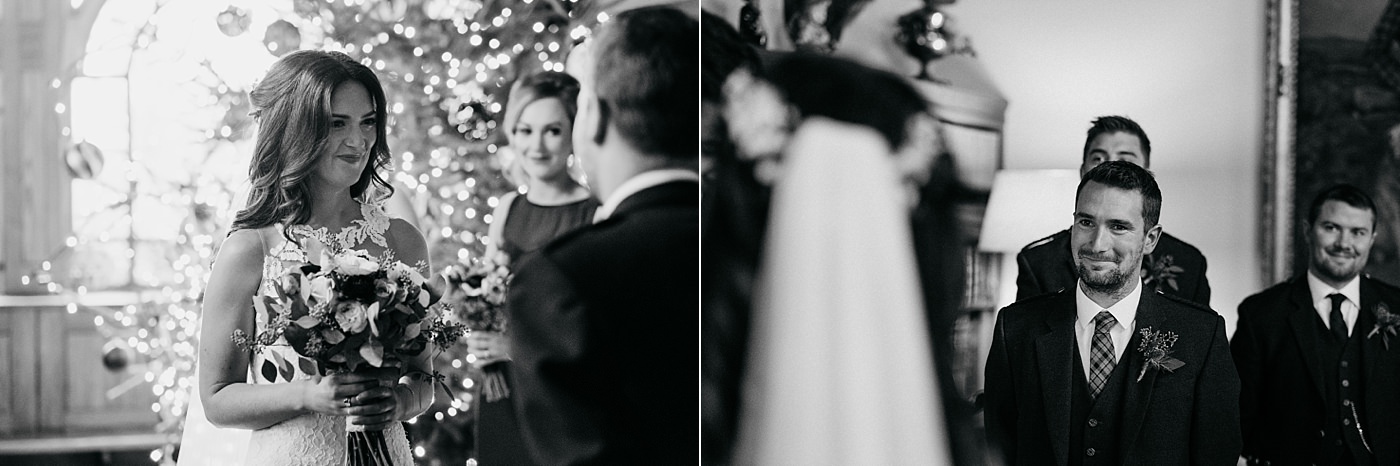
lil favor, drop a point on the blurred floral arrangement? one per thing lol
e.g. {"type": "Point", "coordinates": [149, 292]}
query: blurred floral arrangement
{"type": "Point", "coordinates": [476, 292]}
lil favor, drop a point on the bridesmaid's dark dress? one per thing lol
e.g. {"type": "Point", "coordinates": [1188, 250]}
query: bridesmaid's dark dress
{"type": "Point", "coordinates": [528, 227]}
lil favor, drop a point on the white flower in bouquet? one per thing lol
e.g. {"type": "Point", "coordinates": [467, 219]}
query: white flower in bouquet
{"type": "Point", "coordinates": [351, 316]}
{"type": "Point", "coordinates": [399, 270]}
{"type": "Point", "coordinates": [316, 289]}
{"type": "Point", "coordinates": [372, 315]}
{"type": "Point", "coordinates": [354, 262]}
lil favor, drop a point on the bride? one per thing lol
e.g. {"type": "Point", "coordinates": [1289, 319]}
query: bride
{"type": "Point", "coordinates": [321, 138]}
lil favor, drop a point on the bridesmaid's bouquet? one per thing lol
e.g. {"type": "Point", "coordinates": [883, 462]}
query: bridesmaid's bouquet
{"type": "Point", "coordinates": [352, 312]}
{"type": "Point", "coordinates": [476, 292]}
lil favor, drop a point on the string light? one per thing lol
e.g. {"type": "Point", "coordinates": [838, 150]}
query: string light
{"type": "Point", "coordinates": [455, 170]}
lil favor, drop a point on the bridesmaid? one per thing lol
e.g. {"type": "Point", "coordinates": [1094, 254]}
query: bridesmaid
{"type": "Point", "coordinates": [539, 118]}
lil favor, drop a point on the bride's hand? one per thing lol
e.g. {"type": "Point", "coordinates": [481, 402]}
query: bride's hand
{"type": "Point", "coordinates": [328, 394]}
{"type": "Point", "coordinates": [488, 347]}
{"type": "Point", "coordinates": [375, 408]}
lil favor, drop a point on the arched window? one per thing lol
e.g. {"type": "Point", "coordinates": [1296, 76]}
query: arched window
{"type": "Point", "coordinates": [156, 150]}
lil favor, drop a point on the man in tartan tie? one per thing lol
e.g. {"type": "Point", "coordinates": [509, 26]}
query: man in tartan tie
{"type": "Point", "coordinates": [1104, 373]}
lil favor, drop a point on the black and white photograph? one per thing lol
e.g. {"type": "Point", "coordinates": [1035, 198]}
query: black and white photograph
{"type": "Point", "coordinates": [699, 232]}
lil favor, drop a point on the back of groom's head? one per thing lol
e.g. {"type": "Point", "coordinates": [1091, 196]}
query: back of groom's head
{"type": "Point", "coordinates": [646, 75]}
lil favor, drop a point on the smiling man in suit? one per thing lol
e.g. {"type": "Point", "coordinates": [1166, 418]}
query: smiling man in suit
{"type": "Point", "coordinates": [1319, 382]}
{"type": "Point", "coordinates": [1174, 267]}
{"type": "Point", "coordinates": [1104, 372]}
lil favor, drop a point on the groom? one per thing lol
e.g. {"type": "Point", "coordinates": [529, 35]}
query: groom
{"type": "Point", "coordinates": [604, 321]}
{"type": "Point", "coordinates": [1103, 372]}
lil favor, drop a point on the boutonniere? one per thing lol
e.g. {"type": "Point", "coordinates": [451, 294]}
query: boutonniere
{"type": "Point", "coordinates": [1160, 271]}
{"type": "Point", "coordinates": [1387, 324]}
{"type": "Point", "coordinates": [1156, 348]}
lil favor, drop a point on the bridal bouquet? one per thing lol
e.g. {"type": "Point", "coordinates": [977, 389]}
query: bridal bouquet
{"type": "Point", "coordinates": [476, 291]}
{"type": "Point", "coordinates": [352, 312]}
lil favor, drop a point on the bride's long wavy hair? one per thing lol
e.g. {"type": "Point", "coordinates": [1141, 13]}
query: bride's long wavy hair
{"type": "Point", "coordinates": [292, 106]}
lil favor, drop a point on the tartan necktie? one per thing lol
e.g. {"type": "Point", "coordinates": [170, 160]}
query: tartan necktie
{"type": "Point", "coordinates": [1338, 325]}
{"type": "Point", "coordinates": [1101, 357]}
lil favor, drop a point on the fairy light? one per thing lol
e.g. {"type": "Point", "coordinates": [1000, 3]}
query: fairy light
{"type": "Point", "coordinates": [161, 327]}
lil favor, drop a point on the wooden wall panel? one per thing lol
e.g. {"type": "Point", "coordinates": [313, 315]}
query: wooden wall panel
{"type": "Point", "coordinates": [86, 402]}
{"type": "Point", "coordinates": [7, 394]}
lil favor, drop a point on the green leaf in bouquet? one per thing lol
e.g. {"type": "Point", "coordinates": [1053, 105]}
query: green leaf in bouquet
{"type": "Point", "coordinates": [373, 352]}
{"type": "Point", "coordinates": [284, 367]}
{"type": "Point", "coordinates": [308, 321]}
{"type": "Point", "coordinates": [307, 366]}
{"type": "Point", "coordinates": [332, 335]}
{"type": "Point", "coordinates": [299, 337]}
{"type": "Point", "coordinates": [296, 308]}
{"type": "Point", "coordinates": [269, 371]}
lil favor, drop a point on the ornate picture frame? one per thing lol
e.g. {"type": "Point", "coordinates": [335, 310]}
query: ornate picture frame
{"type": "Point", "coordinates": [1276, 177]}
{"type": "Point", "coordinates": [1332, 115]}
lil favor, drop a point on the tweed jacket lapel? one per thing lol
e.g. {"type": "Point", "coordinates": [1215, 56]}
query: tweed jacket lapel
{"type": "Point", "coordinates": [1055, 357]}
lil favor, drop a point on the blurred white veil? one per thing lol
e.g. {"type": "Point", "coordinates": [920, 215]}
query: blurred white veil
{"type": "Point", "coordinates": [840, 368]}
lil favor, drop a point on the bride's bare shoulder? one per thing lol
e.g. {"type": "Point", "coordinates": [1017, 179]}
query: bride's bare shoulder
{"type": "Point", "coordinates": [242, 249]}
{"type": "Point", "coordinates": [407, 242]}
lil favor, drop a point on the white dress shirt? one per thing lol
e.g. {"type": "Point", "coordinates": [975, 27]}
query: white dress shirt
{"type": "Point", "coordinates": [1323, 304]}
{"type": "Point", "coordinates": [1125, 311]}
{"type": "Point", "coordinates": [639, 182]}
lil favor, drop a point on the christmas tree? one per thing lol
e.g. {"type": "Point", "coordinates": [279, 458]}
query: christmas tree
{"type": "Point", "coordinates": [446, 66]}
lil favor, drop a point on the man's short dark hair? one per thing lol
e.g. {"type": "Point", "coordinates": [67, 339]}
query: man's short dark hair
{"type": "Point", "coordinates": [1128, 176]}
{"type": "Point", "coordinates": [1118, 124]}
{"type": "Point", "coordinates": [1351, 195]}
{"type": "Point", "coordinates": [646, 78]}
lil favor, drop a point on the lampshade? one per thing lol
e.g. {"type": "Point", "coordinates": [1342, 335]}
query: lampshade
{"type": "Point", "coordinates": [1026, 205]}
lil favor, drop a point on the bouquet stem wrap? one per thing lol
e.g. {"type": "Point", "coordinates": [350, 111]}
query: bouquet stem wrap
{"type": "Point", "coordinates": [367, 448]}
{"type": "Point", "coordinates": [493, 383]}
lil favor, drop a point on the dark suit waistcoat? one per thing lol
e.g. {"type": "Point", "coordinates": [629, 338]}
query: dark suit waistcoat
{"type": "Point", "coordinates": [604, 330]}
{"type": "Point", "coordinates": [1282, 399]}
{"type": "Point", "coordinates": [1186, 417]}
{"type": "Point", "coordinates": [1046, 266]}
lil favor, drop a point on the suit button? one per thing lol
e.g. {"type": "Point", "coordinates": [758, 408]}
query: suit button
{"type": "Point", "coordinates": [1091, 452]}
{"type": "Point", "coordinates": [1346, 422]}
{"type": "Point", "coordinates": [1346, 383]}
{"type": "Point", "coordinates": [1093, 423]}
{"type": "Point", "coordinates": [1344, 364]}
{"type": "Point", "coordinates": [1346, 402]}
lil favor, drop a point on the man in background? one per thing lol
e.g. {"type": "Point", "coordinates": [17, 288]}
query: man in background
{"type": "Point", "coordinates": [1318, 376]}
{"type": "Point", "coordinates": [1175, 268]}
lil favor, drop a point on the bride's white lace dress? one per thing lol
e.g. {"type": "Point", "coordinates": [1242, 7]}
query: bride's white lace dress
{"type": "Point", "coordinates": [311, 439]}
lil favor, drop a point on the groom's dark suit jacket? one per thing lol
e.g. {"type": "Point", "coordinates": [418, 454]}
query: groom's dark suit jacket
{"type": "Point", "coordinates": [1189, 416]}
{"type": "Point", "coordinates": [1281, 373]}
{"type": "Point", "coordinates": [604, 328]}
{"type": "Point", "coordinates": [1047, 266]}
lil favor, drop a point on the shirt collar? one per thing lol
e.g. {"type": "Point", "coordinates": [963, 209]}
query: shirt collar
{"type": "Point", "coordinates": [639, 182]}
{"type": "Point", "coordinates": [1320, 290]}
{"type": "Point", "coordinates": [1125, 310]}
